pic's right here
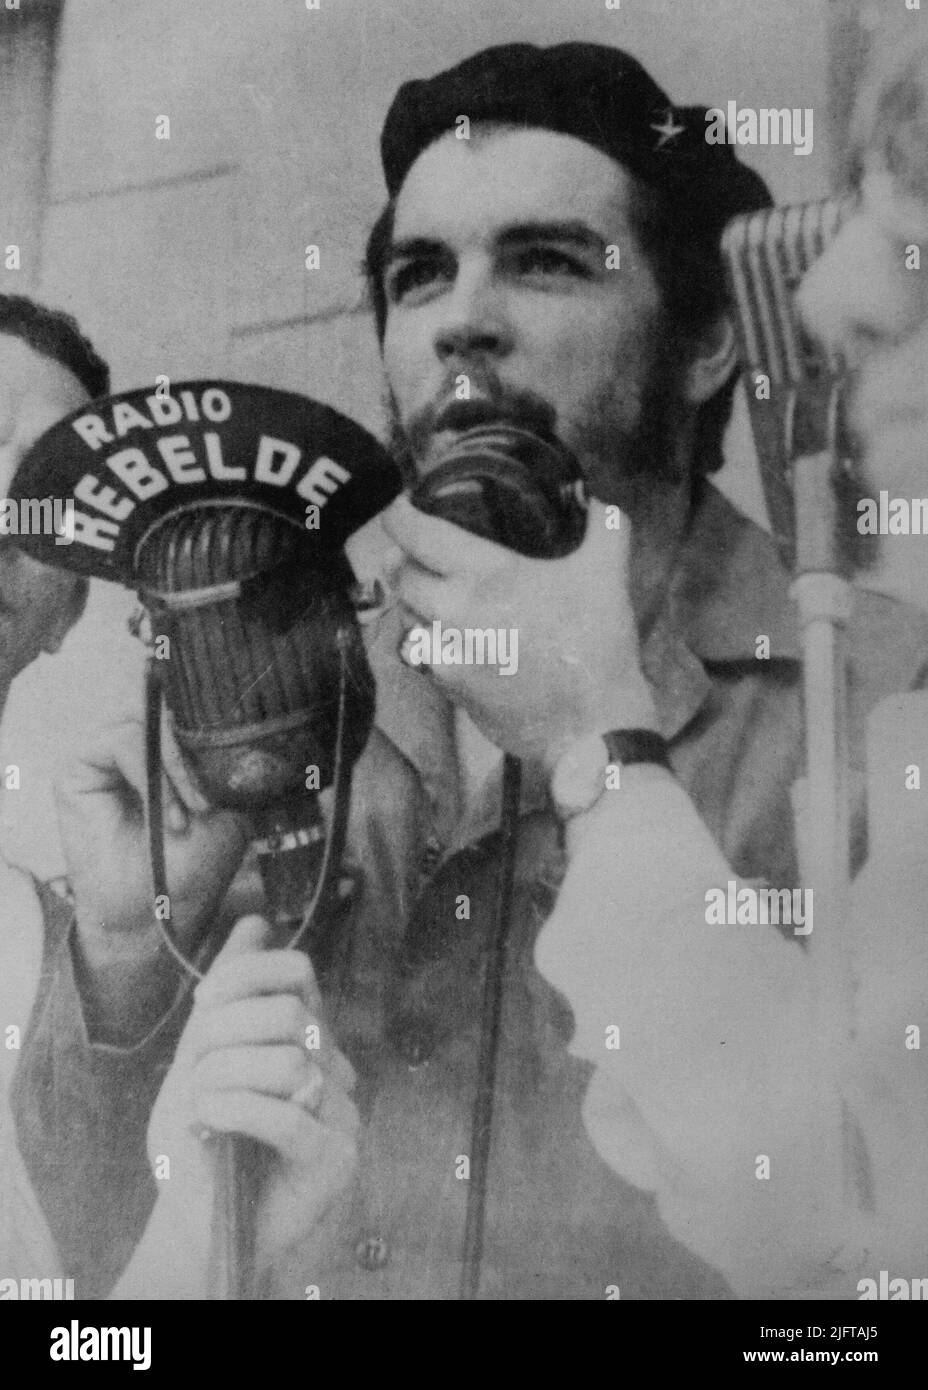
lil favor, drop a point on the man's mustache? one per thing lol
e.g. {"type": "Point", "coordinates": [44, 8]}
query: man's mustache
{"type": "Point", "coordinates": [488, 401]}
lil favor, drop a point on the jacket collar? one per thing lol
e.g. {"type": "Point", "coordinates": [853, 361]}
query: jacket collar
{"type": "Point", "coordinates": [728, 588]}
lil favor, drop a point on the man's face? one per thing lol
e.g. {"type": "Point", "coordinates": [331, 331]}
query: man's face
{"type": "Point", "coordinates": [863, 299]}
{"type": "Point", "coordinates": [498, 271]}
{"type": "Point", "coordinates": [37, 604]}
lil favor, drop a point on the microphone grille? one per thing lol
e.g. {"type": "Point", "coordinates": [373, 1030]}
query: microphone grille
{"type": "Point", "coordinates": [228, 668]}
{"type": "Point", "coordinates": [253, 674]}
{"type": "Point", "coordinates": [766, 254]}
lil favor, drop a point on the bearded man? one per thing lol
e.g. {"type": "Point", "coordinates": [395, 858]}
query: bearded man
{"type": "Point", "coordinates": [557, 269]}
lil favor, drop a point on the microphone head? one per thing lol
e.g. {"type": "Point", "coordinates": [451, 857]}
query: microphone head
{"type": "Point", "coordinates": [792, 382]}
{"type": "Point", "coordinates": [227, 507]}
{"type": "Point", "coordinates": [509, 485]}
{"type": "Point", "coordinates": [766, 254]}
{"type": "Point", "coordinates": [262, 638]}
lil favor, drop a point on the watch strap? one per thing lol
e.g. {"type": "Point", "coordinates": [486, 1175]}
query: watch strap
{"type": "Point", "coordinates": [629, 746]}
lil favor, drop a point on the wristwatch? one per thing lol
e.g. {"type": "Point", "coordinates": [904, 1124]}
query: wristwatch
{"type": "Point", "coordinates": [580, 777]}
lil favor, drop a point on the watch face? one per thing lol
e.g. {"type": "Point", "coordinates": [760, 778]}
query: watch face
{"type": "Point", "coordinates": [579, 777]}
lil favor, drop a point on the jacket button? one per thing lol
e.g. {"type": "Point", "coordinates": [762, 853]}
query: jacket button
{"type": "Point", "coordinates": [414, 1041]}
{"type": "Point", "coordinates": [432, 851]}
{"type": "Point", "coordinates": [372, 1252]}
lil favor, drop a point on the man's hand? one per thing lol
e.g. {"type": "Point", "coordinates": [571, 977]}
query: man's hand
{"type": "Point", "coordinates": [101, 812]}
{"type": "Point", "coordinates": [244, 1066]}
{"type": "Point", "coordinates": [578, 668]}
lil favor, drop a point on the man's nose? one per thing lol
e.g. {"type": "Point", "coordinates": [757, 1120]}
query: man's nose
{"type": "Point", "coordinates": [859, 294]}
{"type": "Point", "coordinates": [475, 321]}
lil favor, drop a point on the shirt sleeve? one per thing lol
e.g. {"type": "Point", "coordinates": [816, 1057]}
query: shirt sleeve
{"type": "Point", "coordinates": [711, 1090]}
{"type": "Point", "coordinates": [81, 1111]}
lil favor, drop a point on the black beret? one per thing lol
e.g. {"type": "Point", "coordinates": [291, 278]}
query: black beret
{"type": "Point", "coordinates": [597, 94]}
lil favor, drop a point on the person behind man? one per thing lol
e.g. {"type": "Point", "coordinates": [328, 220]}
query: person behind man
{"type": "Point", "coordinates": [492, 262]}
{"type": "Point", "coordinates": [47, 368]}
{"type": "Point", "coordinates": [831, 1216]}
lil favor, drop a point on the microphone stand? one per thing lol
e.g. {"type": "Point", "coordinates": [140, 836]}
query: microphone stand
{"type": "Point", "coordinates": [241, 1161]}
{"type": "Point", "coordinates": [288, 853]}
{"type": "Point", "coordinates": [825, 600]}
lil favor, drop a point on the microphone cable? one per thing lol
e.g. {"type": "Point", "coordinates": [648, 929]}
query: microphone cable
{"type": "Point", "coordinates": [490, 1027]}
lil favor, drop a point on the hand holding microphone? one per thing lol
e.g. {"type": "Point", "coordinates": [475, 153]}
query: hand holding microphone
{"type": "Point", "coordinates": [128, 982]}
{"type": "Point", "coordinates": [570, 621]}
{"type": "Point", "coordinates": [100, 805]}
{"type": "Point", "coordinates": [243, 1067]}
{"type": "Point", "coordinates": [232, 533]}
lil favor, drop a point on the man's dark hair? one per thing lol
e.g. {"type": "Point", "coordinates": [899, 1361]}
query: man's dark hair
{"type": "Point", "coordinates": [687, 263]}
{"type": "Point", "coordinates": [56, 335]}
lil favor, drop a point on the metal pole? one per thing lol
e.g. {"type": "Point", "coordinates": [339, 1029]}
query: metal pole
{"type": "Point", "coordinates": [491, 1020]}
{"type": "Point", "coordinates": [825, 602]}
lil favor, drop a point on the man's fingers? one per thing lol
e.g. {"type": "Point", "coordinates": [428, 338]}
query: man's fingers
{"type": "Point", "coordinates": [111, 761]}
{"type": "Point", "coordinates": [274, 1071]}
{"type": "Point", "coordinates": [287, 1128]}
{"type": "Point", "coordinates": [426, 597]}
{"type": "Point", "coordinates": [115, 762]}
{"type": "Point", "coordinates": [251, 973]}
{"type": "Point", "coordinates": [244, 968]}
{"type": "Point", "coordinates": [438, 545]}
{"type": "Point", "coordinates": [278, 1018]}
{"type": "Point", "coordinates": [248, 934]}
{"type": "Point", "coordinates": [177, 769]}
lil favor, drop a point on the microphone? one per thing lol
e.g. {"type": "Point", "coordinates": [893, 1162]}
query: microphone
{"type": "Point", "coordinates": [268, 684]}
{"type": "Point", "coordinates": [226, 507]}
{"type": "Point", "coordinates": [509, 484]}
{"type": "Point", "coordinates": [795, 391]}
{"type": "Point", "coordinates": [794, 386]}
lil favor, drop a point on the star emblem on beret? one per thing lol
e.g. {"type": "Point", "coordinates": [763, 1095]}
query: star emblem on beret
{"type": "Point", "coordinates": [668, 130]}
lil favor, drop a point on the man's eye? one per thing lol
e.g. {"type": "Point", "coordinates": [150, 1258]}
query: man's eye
{"type": "Point", "coordinates": [547, 260]}
{"type": "Point", "coordinates": [404, 280]}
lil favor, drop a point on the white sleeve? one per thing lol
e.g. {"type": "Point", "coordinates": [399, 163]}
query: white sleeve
{"type": "Point", "coordinates": [714, 1098]}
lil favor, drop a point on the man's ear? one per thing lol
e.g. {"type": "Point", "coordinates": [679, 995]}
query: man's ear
{"type": "Point", "coordinates": [713, 361]}
{"type": "Point", "coordinates": [70, 613]}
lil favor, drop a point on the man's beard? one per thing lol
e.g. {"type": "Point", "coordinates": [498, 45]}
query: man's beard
{"type": "Point", "coordinates": [628, 444]}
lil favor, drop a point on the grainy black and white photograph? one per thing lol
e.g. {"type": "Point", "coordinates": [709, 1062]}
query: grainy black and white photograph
{"type": "Point", "coordinates": [464, 659]}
